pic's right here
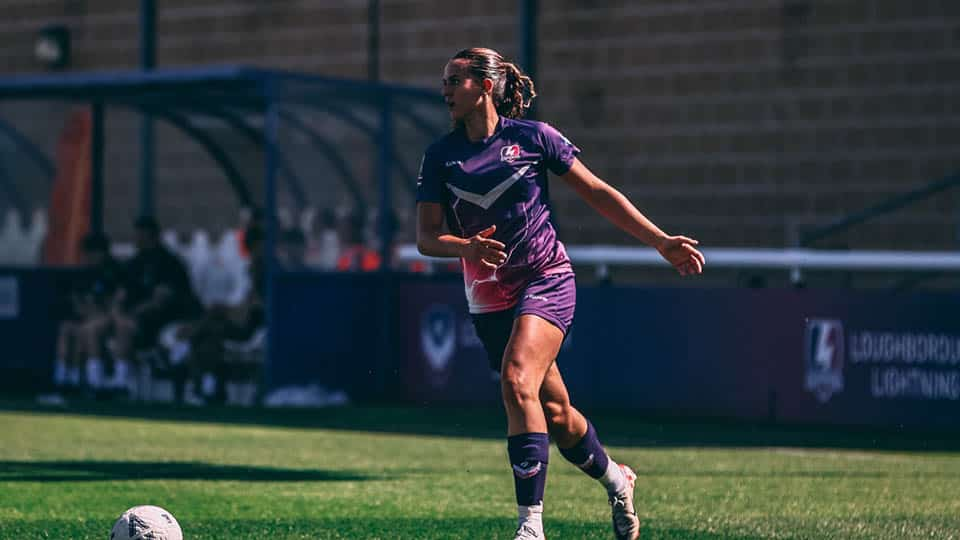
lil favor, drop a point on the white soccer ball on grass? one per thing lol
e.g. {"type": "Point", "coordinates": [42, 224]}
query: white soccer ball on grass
{"type": "Point", "coordinates": [146, 523]}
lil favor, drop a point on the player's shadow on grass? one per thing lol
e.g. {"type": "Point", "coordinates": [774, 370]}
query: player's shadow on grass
{"type": "Point", "coordinates": [80, 471]}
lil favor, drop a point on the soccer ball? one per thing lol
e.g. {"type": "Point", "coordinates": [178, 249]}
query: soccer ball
{"type": "Point", "coordinates": [146, 522]}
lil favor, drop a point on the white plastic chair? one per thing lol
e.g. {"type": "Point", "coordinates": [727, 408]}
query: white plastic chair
{"type": "Point", "coordinates": [35, 236]}
{"type": "Point", "coordinates": [171, 239]}
{"type": "Point", "coordinates": [230, 270]}
{"type": "Point", "coordinates": [12, 239]}
{"type": "Point", "coordinates": [198, 255]}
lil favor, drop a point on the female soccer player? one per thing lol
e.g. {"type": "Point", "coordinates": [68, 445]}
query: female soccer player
{"type": "Point", "coordinates": [487, 179]}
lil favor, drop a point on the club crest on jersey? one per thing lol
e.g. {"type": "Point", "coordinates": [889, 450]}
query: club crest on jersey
{"type": "Point", "coordinates": [510, 153]}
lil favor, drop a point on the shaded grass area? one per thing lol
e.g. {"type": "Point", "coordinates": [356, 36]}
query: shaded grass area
{"type": "Point", "coordinates": [616, 427]}
{"type": "Point", "coordinates": [75, 471]}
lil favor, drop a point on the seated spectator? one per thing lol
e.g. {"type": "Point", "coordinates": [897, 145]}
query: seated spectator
{"type": "Point", "coordinates": [323, 243]}
{"type": "Point", "coordinates": [204, 338]}
{"type": "Point", "coordinates": [156, 291]}
{"type": "Point", "coordinates": [355, 255]}
{"type": "Point", "coordinates": [90, 304]}
{"type": "Point", "coordinates": [292, 249]}
{"type": "Point", "coordinates": [248, 218]}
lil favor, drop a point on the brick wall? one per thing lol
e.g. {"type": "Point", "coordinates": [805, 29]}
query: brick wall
{"type": "Point", "coordinates": [742, 122]}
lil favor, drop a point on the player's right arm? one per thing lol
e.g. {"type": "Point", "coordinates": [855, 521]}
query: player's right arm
{"type": "Point", "coordinates": [432, 239]}
{"type": "Point", "coordinates": [434, 242]}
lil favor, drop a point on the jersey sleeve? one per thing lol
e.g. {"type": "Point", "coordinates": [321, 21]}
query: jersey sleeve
{"type": "Point", "coordinates": [558, 151]}
{"type": "Point", "coordinates": [430, 183]}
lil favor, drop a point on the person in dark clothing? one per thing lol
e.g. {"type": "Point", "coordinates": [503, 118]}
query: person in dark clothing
{"type": "Point", "coordinates": [355, 254]}
{"type": "Point", "coordinates": [91, 300]}
{"type": "Point", "coordinates": [156, 291]}
{"type": "Point", "coordinates": [292, 249]}
{"type": "Point", "coordinates": [205, 360]}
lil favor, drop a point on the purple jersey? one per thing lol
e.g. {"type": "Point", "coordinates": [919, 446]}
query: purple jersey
{"type": "Point", "coordinates": [502, 181]}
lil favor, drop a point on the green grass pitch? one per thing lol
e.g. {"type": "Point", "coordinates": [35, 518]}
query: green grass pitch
{"type": "Point", "coordinates": [422, 473]}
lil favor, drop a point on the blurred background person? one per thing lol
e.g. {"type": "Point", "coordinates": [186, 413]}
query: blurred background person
{"type": "Point", "coordinates": [201, 342]}
{"type": "Point", "coordinates": [90, 303]}
{"type": "Point", "coordinates": [292, 249]}
{"type": "Point", "coordinates": [156, 291]}
{"type": "Point", "coordinates": [323, 241]}
{"type": "Point", "coordinates": [356, 255]}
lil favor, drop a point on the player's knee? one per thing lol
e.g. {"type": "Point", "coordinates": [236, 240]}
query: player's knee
{"type": "Point", "coordinates": [517, 388]}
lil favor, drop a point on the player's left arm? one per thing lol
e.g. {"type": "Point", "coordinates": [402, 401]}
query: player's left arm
{"type": "Point", "coordinates": [679, 251]}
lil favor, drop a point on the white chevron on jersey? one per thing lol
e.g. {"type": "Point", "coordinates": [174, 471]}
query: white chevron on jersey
{"type": "Point", "coordinates": [487, 200]}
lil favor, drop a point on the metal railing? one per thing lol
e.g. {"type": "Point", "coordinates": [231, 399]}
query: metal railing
{"type": "Point", "coordinates": [792, 259]}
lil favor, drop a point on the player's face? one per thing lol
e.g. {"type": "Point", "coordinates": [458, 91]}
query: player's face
{"type": "Point", "coordinates": [462, 92]}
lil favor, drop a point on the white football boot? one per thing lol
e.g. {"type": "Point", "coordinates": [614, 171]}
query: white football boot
{"type": "Point", "coordinates": [525, 532]}
{"type": "Point", "coordinates": [626, 524]}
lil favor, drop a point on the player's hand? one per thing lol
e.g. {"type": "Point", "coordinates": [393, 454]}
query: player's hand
{"type": "Point", "coordinates": [480, 248]}
{"type": "Point", "coordinates": [680, 253]}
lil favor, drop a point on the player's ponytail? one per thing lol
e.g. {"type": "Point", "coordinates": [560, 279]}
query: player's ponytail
{"type": "Point", "coordinates": [518, 92]}
{"type": "Point", "coordinates": [513, 90]}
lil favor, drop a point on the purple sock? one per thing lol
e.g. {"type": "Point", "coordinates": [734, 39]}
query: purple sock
{"type": "Point", "coordinates": [529, 453]}
{"type": "Point", "coordinates": [588, 454]}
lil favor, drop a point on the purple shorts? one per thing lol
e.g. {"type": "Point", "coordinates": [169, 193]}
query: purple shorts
{"type": "Point", "coordinates": [552, 297]}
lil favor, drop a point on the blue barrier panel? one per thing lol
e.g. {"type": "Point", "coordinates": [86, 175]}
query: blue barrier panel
{"type": "Point", "coordinates": [794, 356]}
{"type": "Point", "coordinates": [440, 357]}
{"type": "Point", "coordinates": [835, 357]}
{"type": "Point", "coordinates": [640, 349]}
{"type": "Point", "coordinates": [662, 350]}
{"type": "Point", "coordinates": [32, 301]}
{"type": "Point", "coordinates": [325, 331]}
{"type": "Point", "coordinates": [870, 358]}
